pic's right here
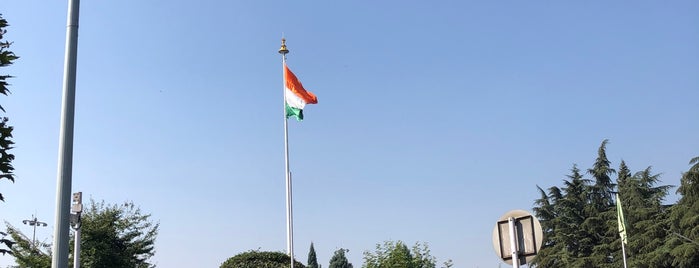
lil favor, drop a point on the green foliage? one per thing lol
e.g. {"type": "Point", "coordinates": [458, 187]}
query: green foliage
{"type": "Point", "coordinates": [683, 243]}
{"type": "Point", "coordinates": [28, 254]}
{"type": "Point", "coordinates": [111, 236]}
{"type": "Point", "coordinates": [117, 236]}
{"type": "Point", "coordinates": [339, 260]}
{"type": "Point", "coordinates": [397, 254]}
{"type": "Point", "coordinates": [7, 57]}
{"type": "Point", "coordinates": [312, 259]}
{"type": "Point", "coordinates": [580, 224]}
{"type": "Point", "coordinates": [646, 218]}
{"type": "Point", "coordinates": [6, 144]}
{"type": "Point", "coordinates": [260, 259]}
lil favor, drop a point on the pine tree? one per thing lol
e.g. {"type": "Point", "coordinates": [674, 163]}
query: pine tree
{"type": "Point", "coordinates": [547, 214]}
{"type": "Point", "coordinates": [600, 224]}
{"type": "Point", "coordinates": [683, 242]}
{"type": "Point", "coordinates": [339, 260]}
{"type": "Point", "coordinates": [576, 241]}
{"type": "Point", "coordinates": [646, 220]}
{"type": "Point", "coordinates": [312, 260]}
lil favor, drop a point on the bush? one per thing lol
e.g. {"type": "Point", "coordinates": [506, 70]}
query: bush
{"type": "Point", "coordinates": [260, 259]}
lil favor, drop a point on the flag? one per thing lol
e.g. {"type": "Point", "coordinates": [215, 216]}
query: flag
{"type": "Point", "coordinates": [295, 96]}
{"type": "Point", "coordinates": [620, 220]}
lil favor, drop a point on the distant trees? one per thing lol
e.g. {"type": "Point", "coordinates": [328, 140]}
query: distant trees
{"type": "Point", "coordinates": [112, 236]}
{"type": "Point", "coordinates": [312, 259]}
{"type": "Point", "coordinates": [260, 259]}
{"type": "Point", "coordinates": [580, 225]}
{"type": "Point", "coordinates": [397, 254]}
{"type": "Point", "coordinates": [339, 260]}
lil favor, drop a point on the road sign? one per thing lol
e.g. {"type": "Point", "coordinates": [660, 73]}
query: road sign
{"type": "Point", "coordinates": [527, 237]}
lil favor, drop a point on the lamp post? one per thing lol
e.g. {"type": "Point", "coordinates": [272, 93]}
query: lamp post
{"type": "Point", "coordinates": [34, 222]}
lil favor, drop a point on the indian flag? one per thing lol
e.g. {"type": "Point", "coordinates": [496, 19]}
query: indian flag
{"type": "Point", "coordinates": [295, 95]}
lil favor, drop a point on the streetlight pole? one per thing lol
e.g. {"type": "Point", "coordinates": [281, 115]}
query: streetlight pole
{"type": "Point", "coordinates": [34, 222]}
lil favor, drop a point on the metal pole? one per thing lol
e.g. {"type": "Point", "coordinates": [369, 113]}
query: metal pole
{"type": "Point", "coordinates": [513, 242]}
{"type": "Point", "coordinates": [34, 234]}
{"type": "Point", "coordinates": [76, 249]}
{"type": "Point", "coordinates": [65, 144]}
{"type": "Point", "coordinates": [289, 209]}
{"type": "Point", "coordinates": [34, 222]}
{"type": "Point", "coordinates": [623, 252]}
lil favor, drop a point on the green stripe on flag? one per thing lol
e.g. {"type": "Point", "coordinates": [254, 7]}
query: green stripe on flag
{"type": "Point", "coordinates": [295, 112]}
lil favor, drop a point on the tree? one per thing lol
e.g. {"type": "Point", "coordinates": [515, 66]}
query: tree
{"type": "Point", "coordinates": [683, 242]}
{"type": "Point", "coordinates": [580, 222]}
{"type": "Point", "coordinates": [339, 260]}
{"type": "Point", "coordinates": [117, 236]}
{"type": "Point", "coordinates": [260, 259]}
{"type": "Point", "coordinates": [397, 254]}
{"type": "Point", "coordinates": [600, 224]}
{"type": "Point", "coordinates": [6, 168]}
{"type": "Point", "coordinates": [7, 57]}
{"type": "Point", "coordinates": [111, 236]}
{"type": "Point", "coordinates": [547, 214]}
{"type": "Point", "coordinates": [646, 219]}
{"type": "Point", "coordinates": [312, 260]}
{"type": "Point", "coordinates": [562, 212]}
{"type": "Point", "coordinates": [26, 253]}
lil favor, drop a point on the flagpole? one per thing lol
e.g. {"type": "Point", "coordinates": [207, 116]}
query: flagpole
{"type": "Point", "coordinates": [623, 252]}
{"type": "Point", "coordinates": [289, 209]}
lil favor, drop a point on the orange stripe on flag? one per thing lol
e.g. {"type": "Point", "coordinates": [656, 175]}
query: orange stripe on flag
{"type": "Point", "coordinates": [294, 85]}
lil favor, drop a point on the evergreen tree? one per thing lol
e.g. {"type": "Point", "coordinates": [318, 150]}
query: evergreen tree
{"type": "Point", "coordinates": [546, 213]}
{"type": "Point", "coordinates": [312, 260]}
{"type": "Point", "coordinates": [576, 242]}
{"type": "Point", "coordinates": [645, 217]}
{"type": "Point", "coordinates": [601, 171]}
{"type": "Point", "coordinates": [579, 220]}
{"type": "Point", "coordinates": [600, 224]}
{"type": "Point", "coordinates": [683, 241]}
{"type": "Point", "coordinates": [339, 260]}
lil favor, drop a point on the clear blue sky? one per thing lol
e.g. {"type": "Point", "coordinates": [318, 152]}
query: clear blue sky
{"type": "Point", "coordinates": [434, 117]}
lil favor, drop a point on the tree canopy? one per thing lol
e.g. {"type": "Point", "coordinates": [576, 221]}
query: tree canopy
{"type": "Point", "coordinates": [579, 219]}
{"type": "Point", "coordinates": [111, 236]}
{"type": "Point", "coordinates": [260, 259]}
{"type": "Point", "coordinates": [7, 57]}
{"type": "Point", "coordinates": [117, 236]}
{"type": "Point", "coordinates": [397, 254]}
{"type": "Point", "coordinates": [339, 260]}
{"type": "Point", "coordinates": [312, 259]}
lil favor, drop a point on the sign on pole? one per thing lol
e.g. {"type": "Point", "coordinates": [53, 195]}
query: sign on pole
{"type": "Point", "coordinates": [521, 246]}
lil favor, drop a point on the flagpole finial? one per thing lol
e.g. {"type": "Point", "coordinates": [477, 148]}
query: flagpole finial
{"type": "Point", "coordinates": [283, 50]}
